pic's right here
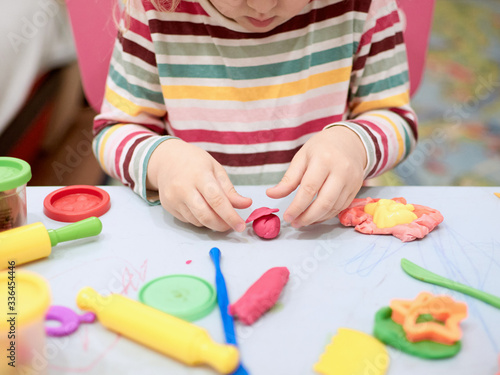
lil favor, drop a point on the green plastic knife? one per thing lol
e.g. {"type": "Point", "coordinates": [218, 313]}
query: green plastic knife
{"type": "Point", "coordinates": [429, 277]}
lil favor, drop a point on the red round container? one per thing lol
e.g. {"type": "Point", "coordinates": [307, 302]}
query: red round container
{"type": "Point", "coordinates": [75, 203]}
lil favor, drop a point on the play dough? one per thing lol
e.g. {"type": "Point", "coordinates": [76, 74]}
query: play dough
{"type": "Point", "coordinates": [261, 296]}
{"type": "Point", "coordinates": [392, 333]}
{"type": "Point", "coordinates": [445, 316]}
{"type": "Point", "coordinates": [265, 223]}
{"type": "Point", "coordinates": [388, 213]}
{"type": "Point", "coordinates": [353, 353]}
{"type": "Point", "coordinates": [356, 215]}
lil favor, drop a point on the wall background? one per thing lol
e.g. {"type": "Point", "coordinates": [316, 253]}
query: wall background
{"type": "Point", "coordinates": [458, 102]}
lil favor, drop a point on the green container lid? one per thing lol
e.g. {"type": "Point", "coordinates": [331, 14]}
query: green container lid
{"type": "Point", "coordinates": [13, 173]}
{"type": "Point", "coordinates": [184, 296]}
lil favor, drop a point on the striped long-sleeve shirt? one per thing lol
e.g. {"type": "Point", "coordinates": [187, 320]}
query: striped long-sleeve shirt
{"type": "Point", "coordinates": [253, 99]}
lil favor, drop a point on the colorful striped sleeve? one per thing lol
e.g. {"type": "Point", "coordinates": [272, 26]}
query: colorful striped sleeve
{"type": "Point", "coordinates": [379, 110]}
{"type": "Point", "coordinates": [132, 119]}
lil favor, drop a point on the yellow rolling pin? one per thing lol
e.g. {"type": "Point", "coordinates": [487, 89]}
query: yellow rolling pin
{"type": "Point", "coordinates": [162, 332]}
{"type": "Point", "coordinates": [34, 241]}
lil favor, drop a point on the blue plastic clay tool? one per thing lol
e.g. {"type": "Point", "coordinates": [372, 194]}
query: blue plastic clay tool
{"type": "Point", "coordinates": [223, 302]}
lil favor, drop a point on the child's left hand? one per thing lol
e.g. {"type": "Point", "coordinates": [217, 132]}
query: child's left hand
{"type": "Point", "coordinates": [329, 167]}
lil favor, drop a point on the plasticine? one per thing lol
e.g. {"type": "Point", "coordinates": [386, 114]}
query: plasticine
{"type": "Point", "coordinates": [265, 223]}
{"type": "Point", "coordinates": [388, 213]}
{"type": "Point", "coordinates": [391, 333]}
{"type": "Point", "coordinates": [352, 352]}
{"type": "Point", "coordinates": [427, 220]}
{"type": "Point", "coordinates": [261, 296]}
{"type": "Point", "coordinates": [441, 308]}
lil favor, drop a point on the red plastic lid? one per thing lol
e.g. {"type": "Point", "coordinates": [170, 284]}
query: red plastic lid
{"type": "Point", "coordinates": [75, 203]}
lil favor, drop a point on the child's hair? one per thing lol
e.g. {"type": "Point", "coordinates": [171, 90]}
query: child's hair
{"type": "Point", "coordinates": [165, 5]}
{"type": "Point", "coordinates": [123, 5]}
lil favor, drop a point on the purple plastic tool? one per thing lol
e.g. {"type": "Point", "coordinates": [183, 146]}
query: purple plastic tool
{"type": "Point", "coordinates": [70, 320]}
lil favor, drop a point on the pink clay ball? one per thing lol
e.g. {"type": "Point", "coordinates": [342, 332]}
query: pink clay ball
{"type": "Point", "coordinates": [265, 223]}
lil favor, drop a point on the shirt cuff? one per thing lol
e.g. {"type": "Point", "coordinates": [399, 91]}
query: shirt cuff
{"type": "Point", "coordinates": [367, 142]}
{"type": "Point", "coordinates": [150, 196]}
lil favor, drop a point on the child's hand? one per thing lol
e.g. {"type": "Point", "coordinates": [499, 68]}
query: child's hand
{"type": "Point", "coordinates": [329, 165]}
{"type": "Point", "coordinates": [194, 187]}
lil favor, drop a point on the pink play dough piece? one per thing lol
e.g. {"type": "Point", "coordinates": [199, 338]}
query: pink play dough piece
{"type": "Point", "coordinates": [261, 296]}
{"type": "Point", "coordinates": [265, 223]}
{"type": "Point", "coordinates": [427, 220]}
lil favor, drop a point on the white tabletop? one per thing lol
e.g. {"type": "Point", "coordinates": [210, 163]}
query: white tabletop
{"type": "Point", "coordinates": [338, 278]}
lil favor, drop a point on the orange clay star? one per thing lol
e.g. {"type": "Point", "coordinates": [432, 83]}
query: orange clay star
{"type": "Point", "coordinates": [442, 308]}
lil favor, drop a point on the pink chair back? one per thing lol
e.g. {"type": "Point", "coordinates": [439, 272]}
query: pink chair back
{"type": "Point", "coordinates": [94, 32]}
{"type": "Point", "coordinates": [417, 16]}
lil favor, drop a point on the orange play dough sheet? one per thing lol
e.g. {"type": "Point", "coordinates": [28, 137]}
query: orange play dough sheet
{"type": "Point", "coordinates": [427, 220]}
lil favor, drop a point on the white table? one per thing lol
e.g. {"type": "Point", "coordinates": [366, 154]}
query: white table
{"type": "Point", "coordinates": [339, 278]}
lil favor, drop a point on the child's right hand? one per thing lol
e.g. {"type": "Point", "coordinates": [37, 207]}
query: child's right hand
{"type": "Point", "coordinates": [194, 187]}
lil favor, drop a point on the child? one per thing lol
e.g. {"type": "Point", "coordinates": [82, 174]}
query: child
{"type": "Point", "coordinates": [303, 93]}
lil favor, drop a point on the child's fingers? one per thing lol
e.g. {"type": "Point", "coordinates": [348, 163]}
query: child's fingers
{"type": "Point", "coordinates": [183, 217]}
{"type": "Point", "coordinates": [310, 185]}
{"type": "Point", "coordinates": [177, 215]}
{"type": "Point", "coordinates": [188, 215]}
{"type": "Point", "coordinates": [323, 206]}
{"type": "Point", "coordinates": [182, 213]}
{"type": "Point", "coordinates": [218, 201]}
{"type": "Point", "coordinates": [237, 200]}
{"type": "Point", "coordinates": [344, 200]}
{"type": "Point", "coordinates": [291, 179]}
{"type": "Point", "coordinates": [331, 199]}
{"type": "Point", "coordinates": [342, 204]}
{"type": "Point", "coordinates": [205, 214]}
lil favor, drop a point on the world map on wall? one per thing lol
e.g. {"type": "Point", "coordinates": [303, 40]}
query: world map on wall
{"type": "Point", "coordinates": [458, 102]}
